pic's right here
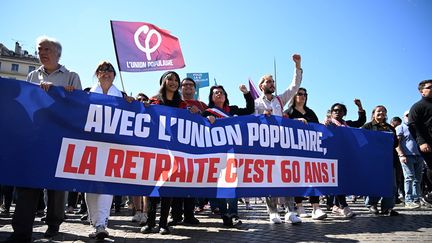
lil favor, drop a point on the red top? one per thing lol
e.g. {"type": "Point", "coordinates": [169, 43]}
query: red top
{"type": "Point", "coordinates": [201, 105]}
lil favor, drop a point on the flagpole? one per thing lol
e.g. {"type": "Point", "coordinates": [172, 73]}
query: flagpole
{"type": "Point", "coordinates": [121, 80]}
{"type": "Point", "coordinates": [274, 67]}
{"type": "Point", "coordinates": [115, 50]}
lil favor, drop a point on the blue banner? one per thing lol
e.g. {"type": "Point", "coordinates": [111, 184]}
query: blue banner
{"type": "Point", "coordinates": [76, 141]}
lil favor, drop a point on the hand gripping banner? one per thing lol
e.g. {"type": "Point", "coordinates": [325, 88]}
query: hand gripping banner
{"type": "Point", "coordinates": [88, 142]}
{"type": "Point", "coordinates": [142, 47]}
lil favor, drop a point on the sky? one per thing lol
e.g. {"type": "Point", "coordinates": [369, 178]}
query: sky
{"type": "Point", "coordinates": [377, 51]}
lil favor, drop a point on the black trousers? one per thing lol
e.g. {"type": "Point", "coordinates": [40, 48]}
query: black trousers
{"type": "Point", "coordinates": [312, 199]}
{"type": "Point", "coordinates": [6, 193]}
{"type": "Point", "coordinates": [25, 209]}
{"type": "Point", "coordinates": [81, 199]}
{"type": "Point", "coordinates": [41, 203]}
{"type": "Point", "coordinates": [164, 212]}
{"type": "Point", "coordinates": [117, 202]}
{"type": "Point", "coordinates": [72, 199]}
{"type": "Point", "coordinates": [400, 181]}
{"type": "Point", "coordinates": [428, 175]}
{"type": "Point", "coordinates": [182, 205]}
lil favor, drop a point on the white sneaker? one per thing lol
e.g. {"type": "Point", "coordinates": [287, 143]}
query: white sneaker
{"type": "Point", "coordinates": [412, 205]}
{"type": "Point", "coordinates": [275, 218]}
{"type": "Point", "coordinates": [301, 212]}
{"type": "Point", "coordinates": [318, 214]}
{"type": "Point", "coordinates": [143, 220]}
{"type": "Point", "coordinates": [292, 217]}
{"type": "Point", "coordinates": [338, 211]}
{"type": "Point", "coordinates": [100, 233]}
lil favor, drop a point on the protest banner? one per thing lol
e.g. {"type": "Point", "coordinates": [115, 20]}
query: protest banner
{"type": "Point", "coordinates": [78, 141]}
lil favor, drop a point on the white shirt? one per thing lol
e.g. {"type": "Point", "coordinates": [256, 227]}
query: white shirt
{"type": "Point", "coordinates": [113, 91]}
{"type": "Point", "coordinates": [277, 103]}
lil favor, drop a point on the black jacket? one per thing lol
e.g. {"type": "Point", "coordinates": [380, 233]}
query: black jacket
{"type": "Point", "coordinates": [420, 121]}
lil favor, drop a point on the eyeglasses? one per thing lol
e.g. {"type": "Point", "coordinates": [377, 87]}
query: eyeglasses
{"type": "Point", "coordinates": [428, 87]}
{"type": "Point", "coordinates": [337, 110]}
{"type": "Point", "coordinates": [302, 94]}
{"type": "Point", "coordinates": [218, 92]}
{"type": "Point", "coordinates": [106, 69]}
{"type": "Point", "coordinates": [188, 84]}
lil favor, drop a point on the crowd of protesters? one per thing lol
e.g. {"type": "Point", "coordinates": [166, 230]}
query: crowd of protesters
{"type": "Point", "coordinates": [412, 154]}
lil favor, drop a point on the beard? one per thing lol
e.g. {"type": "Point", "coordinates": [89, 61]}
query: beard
{"type": "Point", "coordinates": [268, 91]}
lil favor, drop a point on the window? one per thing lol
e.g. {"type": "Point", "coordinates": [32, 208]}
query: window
{"type": "Point", "coordinates": [31, 68]}
{"type": "Point", "coordinates": [14, 67]}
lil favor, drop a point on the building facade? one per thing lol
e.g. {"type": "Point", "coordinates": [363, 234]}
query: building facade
{"type": "Point", "coordinates": [16, 64]}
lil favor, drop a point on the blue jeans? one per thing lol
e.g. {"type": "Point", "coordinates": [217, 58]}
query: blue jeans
{"type": "Point", "coordinates": [229, 210]}
{"type": "Point", "coordinates": [412, 171]}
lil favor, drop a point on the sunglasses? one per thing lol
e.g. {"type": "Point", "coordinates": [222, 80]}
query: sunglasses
{"type": "Point", "coordinates": [302, 94]}
{"type": "Point", "coordinates": [218, 92]}
{"type": "Point", "coordinates": [337, 110]}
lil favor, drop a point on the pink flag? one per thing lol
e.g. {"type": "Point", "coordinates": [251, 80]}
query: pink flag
{"type": "Point", "coordinates": [142, 47]}
{"type": "Point", "coordinates": [254, 92]}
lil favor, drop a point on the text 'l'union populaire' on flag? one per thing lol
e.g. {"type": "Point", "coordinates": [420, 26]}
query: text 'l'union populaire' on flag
{"type": "Point", "coordinates": [142, 47]}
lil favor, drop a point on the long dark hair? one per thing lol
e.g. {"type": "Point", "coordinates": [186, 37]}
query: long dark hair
{"type": "Point", "coordinates": [162, 91]}
{"type": "Point", "coordinates": [211, 103]}
{"type": "Point", "coordinates": [374, 109]}
{"type": "Point", "coordinates": [294, 100]}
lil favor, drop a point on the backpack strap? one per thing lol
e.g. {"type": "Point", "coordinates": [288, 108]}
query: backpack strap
{"type": "Point", "coordinates": [280, 102]}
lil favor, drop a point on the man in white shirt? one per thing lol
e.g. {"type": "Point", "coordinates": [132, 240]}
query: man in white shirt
{"type": "Point", "coordinates": [269, 104]}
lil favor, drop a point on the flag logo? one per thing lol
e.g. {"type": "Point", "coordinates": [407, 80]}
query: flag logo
{"type": "Point", "coordinates": [149, 33]}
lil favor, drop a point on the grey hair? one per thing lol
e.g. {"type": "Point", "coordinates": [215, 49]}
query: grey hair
{"type": "Point", "coordinates": [51, 40]}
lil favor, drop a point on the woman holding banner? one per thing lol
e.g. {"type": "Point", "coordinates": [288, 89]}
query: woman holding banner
{"type": "Point", "coordinates": [379, 123]}
{"type": "Point", "coordinates": [219, 108]}
{"type": "Point", "coordinates": [338, 203]}
{"type": "Point", "coordinates": [99, 205]}
{"type": "Point", "coordinates": [300, 111]}
{"type": "Point", "coordinates": [168, 95]}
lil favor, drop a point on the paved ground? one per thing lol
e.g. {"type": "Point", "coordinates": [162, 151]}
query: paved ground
{"type": "Point", "coordinates": [411, 226]}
